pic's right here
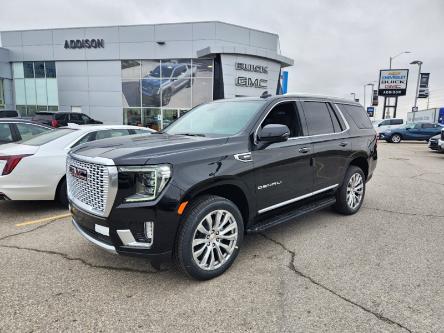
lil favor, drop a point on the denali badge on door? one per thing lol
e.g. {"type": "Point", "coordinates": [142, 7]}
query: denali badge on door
{"type": "Point", "coordinates": [78, 172]}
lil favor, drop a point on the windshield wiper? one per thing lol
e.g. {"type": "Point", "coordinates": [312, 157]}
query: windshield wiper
{"type": "Point", "coordinates": [191, 134]}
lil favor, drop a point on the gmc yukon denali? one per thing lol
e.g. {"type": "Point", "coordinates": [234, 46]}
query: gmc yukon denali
{"type": "Point", "coordinates": [224, 169]}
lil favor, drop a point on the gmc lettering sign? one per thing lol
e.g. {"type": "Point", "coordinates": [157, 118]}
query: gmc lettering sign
{"type": "Point", "coordinates": [84, 43]}
{"type": "Point", "coordinates": [243, 81]}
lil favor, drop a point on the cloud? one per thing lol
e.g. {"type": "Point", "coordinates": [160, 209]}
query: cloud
{"type": "Point", "coordinates": [338, 46]}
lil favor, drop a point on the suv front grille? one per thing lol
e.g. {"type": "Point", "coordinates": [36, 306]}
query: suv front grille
{"type": "Point", "coordinates": [89, 185]}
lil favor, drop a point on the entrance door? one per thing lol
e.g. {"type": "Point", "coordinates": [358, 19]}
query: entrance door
{"type": "Point", "coordinates": [283, 170]}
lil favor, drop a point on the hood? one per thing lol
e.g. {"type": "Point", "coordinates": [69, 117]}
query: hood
{"type": "Point", "coordinates": [144, 149]}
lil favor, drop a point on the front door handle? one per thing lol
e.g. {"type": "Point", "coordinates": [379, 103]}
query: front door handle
{"type": "Point", "coordinates": [304, 150]}
{"type": "Point", "coordinates": [343, 144]}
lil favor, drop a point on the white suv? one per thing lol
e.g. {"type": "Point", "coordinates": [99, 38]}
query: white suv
{"type": "Point", "coordinates": [386, 124]}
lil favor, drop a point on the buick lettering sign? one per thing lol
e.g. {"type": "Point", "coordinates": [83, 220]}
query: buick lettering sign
{"type": "Point", "coordinates": [240, 66]}
{"type": "Point", "coordinates": [84, 44]}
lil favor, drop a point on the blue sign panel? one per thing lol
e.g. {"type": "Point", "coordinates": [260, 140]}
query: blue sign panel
{"type": "Point", "coordinates": [370, 111]}
{"type": "Point", "coordinates": [284, 82]}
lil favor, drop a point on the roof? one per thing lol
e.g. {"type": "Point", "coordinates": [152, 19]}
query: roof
{"type": "Point", "coordinates": [294, 95]}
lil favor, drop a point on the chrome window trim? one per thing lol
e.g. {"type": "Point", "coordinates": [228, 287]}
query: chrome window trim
{"type": "Point", "coordinates": [287, 202]}
{"type": "Point", "coordinates": [338, 110]}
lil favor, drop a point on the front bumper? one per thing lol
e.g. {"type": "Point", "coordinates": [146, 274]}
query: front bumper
{"type": "Point", "coordinates": [123, 231]}
{"type": "Point", "coordinates": [384, 136]}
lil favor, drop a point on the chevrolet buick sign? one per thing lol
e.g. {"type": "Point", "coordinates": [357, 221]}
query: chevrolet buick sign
{"type": "Point", "coordinates": [84, 43]}
{"type": "Point", "coordinates": [393, 82]}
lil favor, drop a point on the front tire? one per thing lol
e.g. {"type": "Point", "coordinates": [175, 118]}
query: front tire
{"type": "Point", "coordinates": [210, 237]}
{"type": "Point", "coordinates": [396, 138]}
{"type": "Point", "coordinates": [62, 193]}
{"type": "Point", "coordinates": [350, 195]}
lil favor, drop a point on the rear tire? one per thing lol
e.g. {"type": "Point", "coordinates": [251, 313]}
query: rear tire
{"type": "Point", "coordinates": [350, 195]}
{"type": "Point", "coordinates": [62, 193]}
{"type": "Point", "coordinates": [210, 237]}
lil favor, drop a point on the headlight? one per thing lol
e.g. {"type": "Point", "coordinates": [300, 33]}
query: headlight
{"type": "Point", "coordinates": [149, 181]}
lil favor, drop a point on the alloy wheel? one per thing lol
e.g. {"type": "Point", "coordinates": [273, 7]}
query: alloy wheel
{"type": "Point", "coordinates": [355, 190]}
{"type": "Point", "coordinates": [396, 138]}
{"type": "Point", "coordinates": [214, 240]}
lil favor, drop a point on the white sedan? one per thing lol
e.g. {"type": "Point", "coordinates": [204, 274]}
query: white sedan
{"type": "Point", "coordinates": [35, 169]}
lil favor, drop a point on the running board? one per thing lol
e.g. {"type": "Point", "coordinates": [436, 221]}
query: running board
{"type": "Point", "coordinates": [292, 215]}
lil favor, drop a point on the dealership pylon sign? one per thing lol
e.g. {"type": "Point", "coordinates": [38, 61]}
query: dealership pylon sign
{"type": "Point", "coordinates": [393, 82]}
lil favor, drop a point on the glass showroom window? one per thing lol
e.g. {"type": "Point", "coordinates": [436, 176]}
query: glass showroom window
{"type": "Point", "coordinates": [2, 98]}
{"type": "Point", "coordinates": [167, 88]}
{"type": "Point", "coordinates": [35, 86]}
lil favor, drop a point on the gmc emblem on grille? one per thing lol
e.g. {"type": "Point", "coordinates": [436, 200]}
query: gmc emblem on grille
{"type": "Point", "coordinates": [78, 172]}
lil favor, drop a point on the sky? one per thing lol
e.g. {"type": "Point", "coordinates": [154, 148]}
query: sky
{"type": "Point", "coordinates": [337, 46]}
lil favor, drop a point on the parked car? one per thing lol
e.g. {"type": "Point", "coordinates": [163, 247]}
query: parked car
{"type": "Point", "coordinates": [59, 119]}
{"type": "Point", "coordinates": [417, 131]}
{"type": "Point", "coordinates": [16, 129]}
{"type": "Point", "coordinates": [223, 169]}
{"type": "Point", "coordinates": [441, 141]}
{"type": "Point", "coordinates": [165, 81]}
{"type": "Point", "coordinates": [434, 143]}
{"type": "Point", "coordinates": [385, 124]}
{"type": "Point", "coordinates": [8, 114]}
{"type": "Point", "coordinates": [34, 169]}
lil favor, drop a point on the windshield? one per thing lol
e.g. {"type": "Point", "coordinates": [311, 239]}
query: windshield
{"type": "Point", "coordinates": [166, 71]}
{"type": "Point", "coordinates": [47, 137]}
{"type": "Point", "coordinates": [216, 119]}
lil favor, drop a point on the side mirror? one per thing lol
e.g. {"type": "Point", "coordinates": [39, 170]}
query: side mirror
{"type": "Point", "coordinates": [274, 133]}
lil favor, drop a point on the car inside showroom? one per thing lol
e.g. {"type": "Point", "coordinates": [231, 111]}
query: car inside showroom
{"type": "Point", "coordinates": [144, 75]}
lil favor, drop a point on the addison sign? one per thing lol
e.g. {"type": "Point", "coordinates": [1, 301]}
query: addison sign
{"type": "Point", "coordinates": [245, 81]}
{"type": "Point", "coordinates": [84, 43]}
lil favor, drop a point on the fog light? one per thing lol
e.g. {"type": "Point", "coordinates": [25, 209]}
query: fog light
{"type": "Point", "coordinates": [149, 231]}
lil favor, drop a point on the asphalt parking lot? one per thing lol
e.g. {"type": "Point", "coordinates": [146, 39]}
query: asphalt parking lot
{"type": "Point", "coordinates": [381, 270]}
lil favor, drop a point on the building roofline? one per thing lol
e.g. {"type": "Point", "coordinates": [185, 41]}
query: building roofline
{"type": "Point", "coordinates": [143, 24]}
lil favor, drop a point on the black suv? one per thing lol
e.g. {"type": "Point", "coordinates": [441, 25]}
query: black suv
{"type": "Point", "coordinates": [224, 169]}
{"type": "Point", "coordinates": [8, 114]}
{"type": "Point", "coordinates": [58, 119]}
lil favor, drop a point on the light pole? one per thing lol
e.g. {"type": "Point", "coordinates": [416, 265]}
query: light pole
{"type": "Point", "coordinates": [419, 63]}
{"type": "Point", "coordinates": [393, 57]}
{"type": "Point", "coordinates": [365, 85]}
{"type": "Point", "coordinates": [387, 100]}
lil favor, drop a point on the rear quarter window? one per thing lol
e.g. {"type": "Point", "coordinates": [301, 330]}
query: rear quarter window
{"type": "Point", "coordinates": [357, 114]}
{"type": "Point", "coordinates": [5, 133]}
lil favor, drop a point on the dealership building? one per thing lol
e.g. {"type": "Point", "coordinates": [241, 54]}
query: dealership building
{"type": "Point", "coordinates": [140, 74]}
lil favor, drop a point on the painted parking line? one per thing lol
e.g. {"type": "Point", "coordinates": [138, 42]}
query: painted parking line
{"type": "Point", "coordinates": [46, 219]}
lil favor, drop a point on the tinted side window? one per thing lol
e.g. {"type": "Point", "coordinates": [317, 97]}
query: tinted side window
{"type": "Point", "coordinates": [396, 121]}
{"type": "Point", "coordinates": [61, 116]}
{"type": "Point", "coordinates": [337, 123]}
{"type": "Point", "coordinates": [357, 114]}
{"type": "Point", "coordinates": [318, 118]}
{"type": "Point", "coordinates": [5, 133]}
{"type": "Point", "coordinates": [284, 114]}
{"type": "Point", "coordinates": [75, 117]}
{"type": "Point", "coordinates": [427, 125]}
